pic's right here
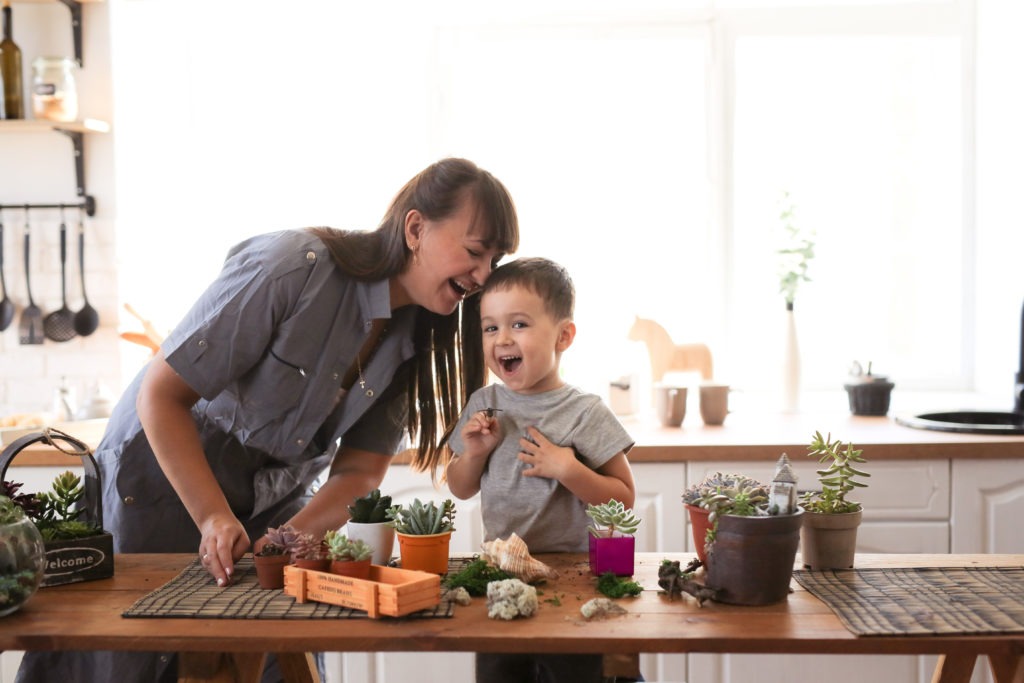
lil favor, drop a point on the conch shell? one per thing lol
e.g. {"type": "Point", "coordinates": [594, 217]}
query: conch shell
{"type": "Point", "coordinates": [514, 557]}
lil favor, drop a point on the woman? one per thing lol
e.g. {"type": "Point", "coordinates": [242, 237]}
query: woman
{"type": "Point", "coordinates": [311, 351]}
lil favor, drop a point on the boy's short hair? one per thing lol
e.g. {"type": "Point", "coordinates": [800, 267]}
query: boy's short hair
{"type": "Point", "coordinates": [545, 278]}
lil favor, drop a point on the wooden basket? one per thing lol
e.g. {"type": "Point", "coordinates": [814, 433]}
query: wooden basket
{"type": "Point", "coordinates": [389, 591]}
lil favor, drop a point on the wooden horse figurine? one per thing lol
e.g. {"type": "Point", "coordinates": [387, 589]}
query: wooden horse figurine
{"type": "Point", "coordinates": [668, 356]}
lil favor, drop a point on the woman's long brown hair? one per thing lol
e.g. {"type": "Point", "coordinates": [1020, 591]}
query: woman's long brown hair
{"type": "Point", "coordinates": [449, 364]}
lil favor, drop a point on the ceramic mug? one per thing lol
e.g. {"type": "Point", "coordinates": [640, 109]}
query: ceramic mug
{"type": "Point", "coordinates": [670, 405]}
{"type": "Point", "coordinates": [714, 403]}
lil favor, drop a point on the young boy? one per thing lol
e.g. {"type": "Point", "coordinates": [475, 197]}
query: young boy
{"type": "Point", "coordinates": [537, 449]}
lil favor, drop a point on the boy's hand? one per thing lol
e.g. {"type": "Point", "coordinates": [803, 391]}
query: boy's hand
{"type": "Point", "coordinates": [545, 458]}
{"type": "Point", "coordinates": [480, 435]}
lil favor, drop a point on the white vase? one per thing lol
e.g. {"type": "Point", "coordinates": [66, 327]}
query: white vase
{"type": "Point", "coordinates": [378, 535]}
{"type": "Point", "coordinates": [790, 365]}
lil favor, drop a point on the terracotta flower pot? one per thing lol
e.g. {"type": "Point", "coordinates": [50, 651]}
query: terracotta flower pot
{"type": "Point", "coordinates": [751, 560]}
{"type": "Point", "coordinates": [699, 526]}
{"type": "Point", "coordinates": [612, 554]}
{"type": "Point", "coordinates": [270, 569]}
{"type": "Point", "coordinates": [829, 541]}
{"type": "Point", "coordinates": [320, 564]}
{"type": "Point", "coordinates": [356, 569]}
{"type": "Point", "coordinates": [425, 553]}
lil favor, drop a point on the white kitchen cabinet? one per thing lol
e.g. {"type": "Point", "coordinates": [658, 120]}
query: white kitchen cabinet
{"type": "Point", "coordinates": [906, 510]}
{"type": "Point", "coordinates": [988, 504]}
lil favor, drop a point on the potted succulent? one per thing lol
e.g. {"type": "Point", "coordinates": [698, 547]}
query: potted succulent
{"type": "Point", "coordinates": [829, 534]}
{"type": "Point", "coordinates": [424, 533]}
{"type": "Point", "coordinates": [717, 491]}
{"type": "Point", "coordinates": [749, 551]}
{"type": "Point", "coordinates": [349, 557]}
{"type": "Point", "coordinates": [22, 557]}
{"type": "Point", "coordinates": [611, 540]}
{"type": "Point", "coordinates": [368, 521]}
{"type": "Point", "coordinates": [304, 549]}
{"type": "Point", "coordinates": [270, 560]}
{"type": "Point", "coordinates": [69, 517]}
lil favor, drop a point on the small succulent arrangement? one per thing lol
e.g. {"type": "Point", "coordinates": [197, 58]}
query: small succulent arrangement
{"type": "Point", "coordinates": [56, 512]}
{"type": "Point", "coordinates": [422, 519]}
{"type": "Point", "coordinates": [728, 494]}
{"type": "Point", "coordinates": [21, 557]}
{"type": "Point", "coordinates": [611, 518]}
{"type": "Point", "coordinates": [370, 509]}
{"type": "Point", "coordinates": [340, 548]}
{"type": "Point", "coordinates": [287, 540]}
{"type": "Point", "coordinates": [837, 479]}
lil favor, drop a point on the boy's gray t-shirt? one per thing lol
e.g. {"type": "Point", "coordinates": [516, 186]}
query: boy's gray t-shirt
{"type": "Point", "coordinates": [545, 514]}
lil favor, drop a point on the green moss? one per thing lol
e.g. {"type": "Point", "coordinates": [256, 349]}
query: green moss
{"type": "Point", "coordinates": [615, 587]}
{"type": "Point", "coordinates": [475, 577]}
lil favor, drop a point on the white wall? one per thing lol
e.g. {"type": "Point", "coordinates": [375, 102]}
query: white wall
{"type": "Point", "coordinates": [39, 168]}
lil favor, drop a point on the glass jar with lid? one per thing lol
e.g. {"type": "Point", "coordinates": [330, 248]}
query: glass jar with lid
{"type": "Point", "coordinates": [54, 95]}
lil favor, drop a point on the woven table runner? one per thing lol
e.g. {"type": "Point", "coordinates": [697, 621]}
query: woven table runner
{"type": "Point", "coordinates": [924, 601]}
{"type": "Point", "coordinates": [194, 594]}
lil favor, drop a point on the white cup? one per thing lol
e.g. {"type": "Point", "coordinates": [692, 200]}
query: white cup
{"type": "Point", "coordinates": [670, 405]}
{"type": "Point", "coordinates": [714, 403]}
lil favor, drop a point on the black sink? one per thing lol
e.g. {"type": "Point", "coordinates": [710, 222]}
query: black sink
{"type": "Point", "coordinates": [969, 421]}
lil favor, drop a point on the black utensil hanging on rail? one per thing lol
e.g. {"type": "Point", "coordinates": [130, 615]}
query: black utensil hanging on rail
{"type": "Point", "coordinates": [59, 326]}
{"type": "Point", "coordinates": [86, 319]}
{"type": "Point", "coordinates": [30, 327]}
{"type": "Point", "coordinates": [6, 305]}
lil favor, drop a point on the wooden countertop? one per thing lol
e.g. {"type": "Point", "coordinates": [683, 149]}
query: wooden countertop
{"type": "Point", "coordinates": [746, 436]}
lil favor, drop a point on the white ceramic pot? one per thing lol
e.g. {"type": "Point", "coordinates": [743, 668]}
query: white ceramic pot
{"type": "Point", "coordinates": [378, 535]}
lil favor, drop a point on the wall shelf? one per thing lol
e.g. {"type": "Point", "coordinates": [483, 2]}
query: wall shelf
{"type": "Point", "coordinates": [75, 131]}
{"type": "Point", "coordinates": [75, 7]}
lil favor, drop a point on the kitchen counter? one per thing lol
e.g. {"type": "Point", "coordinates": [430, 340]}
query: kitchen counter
{"type": "Point", "coordinates": [743, 437]}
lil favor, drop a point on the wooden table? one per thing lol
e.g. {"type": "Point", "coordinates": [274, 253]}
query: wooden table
{"type": "Point", "coordinates": [88, 616]}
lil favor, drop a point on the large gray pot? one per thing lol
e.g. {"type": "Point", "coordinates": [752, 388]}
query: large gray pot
{"type": "Point", "coordinates": [751, 560]}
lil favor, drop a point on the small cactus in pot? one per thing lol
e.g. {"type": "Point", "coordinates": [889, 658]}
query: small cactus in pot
{"type": "Point", "coordinates": [612, 547]}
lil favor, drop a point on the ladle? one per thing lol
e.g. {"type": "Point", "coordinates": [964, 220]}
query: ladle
{"type": "Point", "coordinates": [6, 305]}
{"type": "Point", "coordinates": [86, 319]}
{"type": "Point", "coordinates": [59, 326]}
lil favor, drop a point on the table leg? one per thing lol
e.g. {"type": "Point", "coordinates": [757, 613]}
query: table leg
{"type": "Point", "coordinates": [1007, 668]}
{"type": "Point", "coordinates": [298, 667]}
{"type": "Point", "coordinates": [954, 669]}
{"type": "Point", "coordinates": [219, 667]}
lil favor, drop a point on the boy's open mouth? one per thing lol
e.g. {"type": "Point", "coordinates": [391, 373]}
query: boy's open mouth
{"type": "Point", "coordinates": [510, 363]}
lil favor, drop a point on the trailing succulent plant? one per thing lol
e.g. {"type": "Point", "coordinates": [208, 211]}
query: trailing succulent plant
{"type": "Point", "coordinates": [340, 548]}
{"type": "Point", "coordinates": [370, 509]}
{"type": "Point", "coordinates": [837, 479]}
{"type": "Point", "coordinates": [612, 517]}
{"type": "Point", "coordinates": [422, 519]}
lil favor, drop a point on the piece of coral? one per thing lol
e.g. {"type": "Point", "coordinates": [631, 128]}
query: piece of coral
{"type": "Point", "coordinates": [461, 596]}
{"type": "Point", "coordinates": [510, 598]}
{"type": "Point", "coordinates": [514, 557]}
{"type": "Point", "coordinates": [600, 607]}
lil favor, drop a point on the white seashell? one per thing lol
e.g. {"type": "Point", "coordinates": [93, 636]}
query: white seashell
{"type": "Point", "coordinates": [514, 557]}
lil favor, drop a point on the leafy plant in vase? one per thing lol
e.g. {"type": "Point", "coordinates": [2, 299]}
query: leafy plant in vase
{"type": "Point", "coordinates": [829, 533]}
{"type": "Point", "coordinates": [612, 542]}
{"type": "Point", "coordinates": [349, 557]}
{"type": "Point", "coordinates": [795, 257]}
{"type": "Point", "coordinates": [424, 533]}
{"type": "Point", "coordinates": [368, 521]}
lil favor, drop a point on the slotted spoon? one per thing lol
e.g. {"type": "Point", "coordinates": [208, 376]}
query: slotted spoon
{"type": "Point", "coordinates": [59, 326]}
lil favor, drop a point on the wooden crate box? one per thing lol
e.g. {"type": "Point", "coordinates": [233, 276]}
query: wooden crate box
{"type": "Point", "coordinates": [389, 591]}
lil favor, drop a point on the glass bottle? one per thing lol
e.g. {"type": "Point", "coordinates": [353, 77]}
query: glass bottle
{"type": "Point", "coordinates": [10, 71]}
{"type": "Point", "coordinates": [54, 95]}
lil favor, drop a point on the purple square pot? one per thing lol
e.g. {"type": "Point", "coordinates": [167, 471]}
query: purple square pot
{"type": "Point", "coordinates": [613, 554]}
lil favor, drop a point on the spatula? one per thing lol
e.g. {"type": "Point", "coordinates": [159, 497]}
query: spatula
{"type": "Point", "coordinates": [30, 328]}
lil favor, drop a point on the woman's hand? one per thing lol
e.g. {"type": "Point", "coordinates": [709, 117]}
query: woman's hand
{"type": "Point", "coordinates": [224, 541]}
